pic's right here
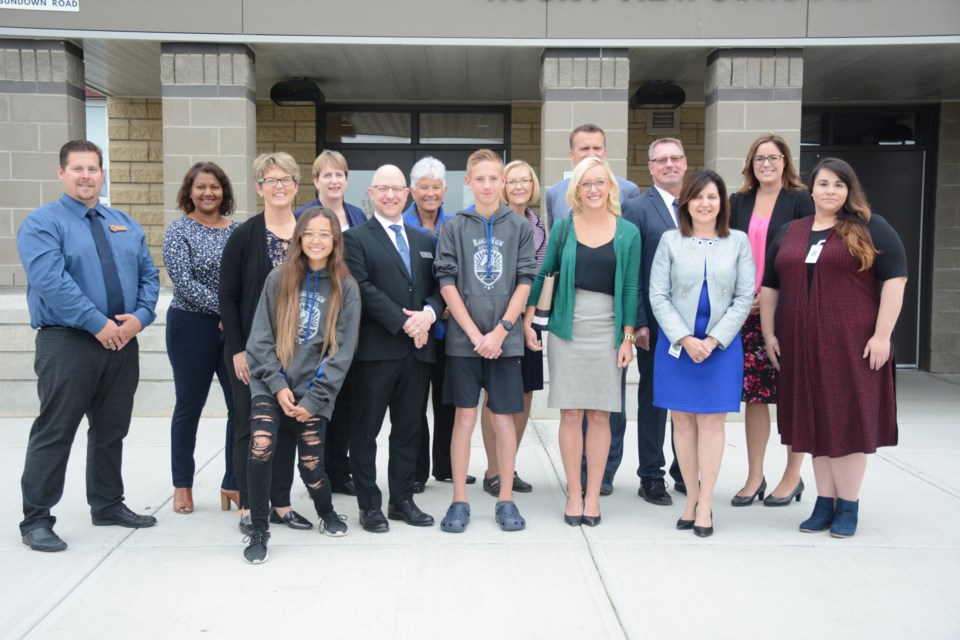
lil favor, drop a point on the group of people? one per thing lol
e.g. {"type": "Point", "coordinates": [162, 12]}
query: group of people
{"type": "Point", "coordinates": [319, 321]}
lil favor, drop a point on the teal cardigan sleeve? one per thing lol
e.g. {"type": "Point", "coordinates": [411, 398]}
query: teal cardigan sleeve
{"type": "Point", "coordinates": [627, 285]}
{"type": "Point", "coordinates": [561, 317]}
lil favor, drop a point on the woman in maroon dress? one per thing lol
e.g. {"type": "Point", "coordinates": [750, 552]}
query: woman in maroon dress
{"type": "Point", "coordinates": [835, 283]}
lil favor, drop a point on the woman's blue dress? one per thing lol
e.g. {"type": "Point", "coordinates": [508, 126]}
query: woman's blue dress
{"type": "Point", "coordinates": [712, 386]}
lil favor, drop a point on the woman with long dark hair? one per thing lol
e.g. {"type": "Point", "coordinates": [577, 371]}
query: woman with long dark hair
{"type": "Point", "coordinates": [301, 345]}
{"type": "Point", "coordinates": [832, 292]}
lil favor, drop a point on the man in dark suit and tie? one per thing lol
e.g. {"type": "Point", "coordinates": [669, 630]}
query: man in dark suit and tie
{"type": "Point", "coordinates": [654, 211]}
{"type": "Point", "coordinates": [393, 264]}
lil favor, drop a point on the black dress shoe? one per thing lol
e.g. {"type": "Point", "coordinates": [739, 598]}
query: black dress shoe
{"type": "Point", "coordinates": [292, 519]}
{"type": "Point", "coordinates": [346, 487]}
{"type": "Point", "coordinates": [121, 516]}
{"type": "Point", "coordinates": [43, 539]}
{"type": "Point", "coordinates": [521, 486]}
{"type": "Point", "coordinates": [470, 479]}
{"type": "Point", "coordinates": [654, 491]}
{"type": "Point", "coordinates": [680, 487]}
{"type": "Point", "coordinates": [606, 485]}
{"type": "Point", "coordinates": [419, 487]}
{"type": "Point", "coordinates": [373, 521]}
{"type": "Point", "coordinates": [246, 525]}
{"type": "Point", "coordinates": [410, 513]}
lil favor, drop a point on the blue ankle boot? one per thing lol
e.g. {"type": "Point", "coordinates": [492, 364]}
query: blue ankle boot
{"type": "Point", "coordinates": [845, 521]}
{"type": "Point", "coordinates": [821, 518]}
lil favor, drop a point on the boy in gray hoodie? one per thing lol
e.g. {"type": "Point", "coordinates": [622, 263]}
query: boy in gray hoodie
{"type": "Point", "coordinates": [485, 265]}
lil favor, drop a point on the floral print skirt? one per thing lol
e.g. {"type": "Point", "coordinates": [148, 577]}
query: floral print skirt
{"type": "Point", "coordinates": [759, 375]}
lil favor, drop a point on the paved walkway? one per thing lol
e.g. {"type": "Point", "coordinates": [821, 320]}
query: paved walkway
{"type": "Point", "coordinates": [634, 576]}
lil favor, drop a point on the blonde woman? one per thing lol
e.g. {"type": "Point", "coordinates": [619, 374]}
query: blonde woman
{"type": "Point", "coordinates": [597, 254]}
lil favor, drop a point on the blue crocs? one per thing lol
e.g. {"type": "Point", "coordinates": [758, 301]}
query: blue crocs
{"type": "Point", "coordinates": [508, 517]}
{"type": "Point", "coordinates": [457, 518]}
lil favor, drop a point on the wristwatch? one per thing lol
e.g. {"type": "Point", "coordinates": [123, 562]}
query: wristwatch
{"type": "Point", "coordinates": [506, 324]}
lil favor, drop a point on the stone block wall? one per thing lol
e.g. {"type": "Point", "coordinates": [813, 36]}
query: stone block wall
{"type": "Point", "coordinates": [524, 141]}
{"type": "Point", "coordinates": [691, 133]}
{"type": "Point", "coordinates": [135, 131]}
{"type": "Point", "coordinates": [294, 130]}
{"type": "Point", "coordinates": [945, 321]}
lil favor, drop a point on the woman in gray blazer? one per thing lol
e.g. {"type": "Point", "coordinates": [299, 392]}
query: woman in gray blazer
{"type": "Point", "coordinates": [701, 289]}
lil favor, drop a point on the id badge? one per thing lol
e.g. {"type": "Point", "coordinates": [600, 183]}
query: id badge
{"type": "Point", "coordinates": [675, 349]}
{"type": "Point", "coordinates": [814, 253]}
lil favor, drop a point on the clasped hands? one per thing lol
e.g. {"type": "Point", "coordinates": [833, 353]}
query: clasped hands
{"type": "Point", "coordinates": [418, 326]}
{"type": "Point", "coordinates": [698, 350]}
{"type": "Point", "coordinates": [290, 407]}
{"type": "Point", "coordinates": [116, 334]}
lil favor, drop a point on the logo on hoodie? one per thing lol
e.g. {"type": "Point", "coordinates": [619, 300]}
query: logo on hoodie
{"type": "Point", "coordinates": [488, 261]}
{"type": "Point", "coordinates": [309, 316]}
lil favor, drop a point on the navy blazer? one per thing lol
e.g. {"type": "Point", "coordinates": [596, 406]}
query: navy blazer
{"type": "Point", "coordinates": [651, 216]}
{"type": "Point", "coordinates": [386, 289]}
{"type": "Point", "coordinates": [790, 206]}
{"type": "Point", "coordinates": [355, 215]}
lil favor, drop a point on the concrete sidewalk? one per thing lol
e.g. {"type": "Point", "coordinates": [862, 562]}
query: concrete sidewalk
{"type": "Point", "coordinates": [635, 576]}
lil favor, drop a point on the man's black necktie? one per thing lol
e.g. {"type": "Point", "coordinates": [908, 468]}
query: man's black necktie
{"type": "Point", "coordinates": [111, 278]}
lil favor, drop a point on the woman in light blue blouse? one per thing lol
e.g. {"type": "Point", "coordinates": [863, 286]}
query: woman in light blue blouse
{"type": "Point", "coordinates": [192, 251]}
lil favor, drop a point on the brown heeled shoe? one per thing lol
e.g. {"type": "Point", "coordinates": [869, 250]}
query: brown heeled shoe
{"type": "Point", "coordinates": [226, 497]}
{"type": "Point", "coordinates": [183, 500]}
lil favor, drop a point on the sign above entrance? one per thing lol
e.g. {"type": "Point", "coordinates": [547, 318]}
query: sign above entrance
{"type": "Point", "coordinates": [41, 5]}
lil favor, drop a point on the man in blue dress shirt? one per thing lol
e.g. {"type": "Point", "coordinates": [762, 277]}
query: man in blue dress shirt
{"type": "Point", "coordinates": [91, 288]}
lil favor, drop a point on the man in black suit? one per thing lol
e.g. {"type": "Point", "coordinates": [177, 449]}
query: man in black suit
{"type": "Point", "coordinates": [654, 211]}
{"type": "Point", "coordinates": [393, 264]}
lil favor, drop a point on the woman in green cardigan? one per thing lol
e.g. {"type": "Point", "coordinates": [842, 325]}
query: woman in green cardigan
{"type": "Point", "coordinates": [597, 254]}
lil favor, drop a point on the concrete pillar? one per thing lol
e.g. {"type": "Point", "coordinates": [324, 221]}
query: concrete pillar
{"type": "Point", "coordinates": [209, 113]}
{"type": "Point", "coordinates": [945, 323]}
{"type": "Point", "coordinates": [581, 86]}
{"type": "Point", "coordinates": [750, 92]}
{"type": "Point", "coordinates": [41, 108]}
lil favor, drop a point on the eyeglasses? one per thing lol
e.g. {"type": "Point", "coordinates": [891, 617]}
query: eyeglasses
{"type": "Point", "coordinates": [384, 188]}
{"type": "Point", "coordinates": [287, 181]}
{"type": "Point", "coordinates": [323, 235]}
{"type": "Point", "coordinates": [599, 184]}
{"type": "Point", "coordinates": [522, 182]}
{"type": "Point", "coordinates": [664, 159]}
{"type": "Point", "coordinates": [774, 160]}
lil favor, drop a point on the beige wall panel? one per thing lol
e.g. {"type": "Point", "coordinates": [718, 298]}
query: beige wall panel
{"type": "Point", "coordinates": [687, 19]}
{"type": "Point", "coordinates": [837, 18]}
{"type": "Point", "coordinates": [171, 16]}
{"type": "Point", "coordinates": [412, 18]}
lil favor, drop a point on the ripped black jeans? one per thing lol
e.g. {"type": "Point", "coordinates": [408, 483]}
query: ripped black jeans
{"type": "Point", "coordinates": [265, 420]}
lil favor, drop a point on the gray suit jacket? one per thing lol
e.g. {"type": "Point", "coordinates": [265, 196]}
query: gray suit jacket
{"type": "Point", "coordinates": [650, 214]}
{"type": "Point", "coordinates": [677, 277]}
{"type": "Point", "coordinates": [556, 198]}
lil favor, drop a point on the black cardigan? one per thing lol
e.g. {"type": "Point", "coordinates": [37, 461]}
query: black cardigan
{"type": "Point", "coordinates": [243, 270]}
{"type": "Point", "coordinates": [790, 206]}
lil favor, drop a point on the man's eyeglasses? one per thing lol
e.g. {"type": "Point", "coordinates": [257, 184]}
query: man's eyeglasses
{"type": "Point", "coordinates": [384, 188]}
{"type": "Point", "coordinates": [773, 160]}
{"type": "Point", "coordinates": [287, 181]}
{"type": "Point", "coordinates": [663, 160]}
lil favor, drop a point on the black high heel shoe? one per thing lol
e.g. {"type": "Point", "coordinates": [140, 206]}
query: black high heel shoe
{"type": "Point", "coordinates": [590, 521]}
{"type": "Point", "coordinates": [683, 525]}
{"type": "Point", "coordinates": [704, 532]}
{"type": "Point", "coordinates": [746, 501]}
{"type": "Point", "coordinates": [573, 521]}
{"type": "Point", "coordinates": [773, 501]}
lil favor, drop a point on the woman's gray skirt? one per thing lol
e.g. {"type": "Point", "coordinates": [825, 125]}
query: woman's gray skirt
{"type": "Point", "coordinates": [583, 371]}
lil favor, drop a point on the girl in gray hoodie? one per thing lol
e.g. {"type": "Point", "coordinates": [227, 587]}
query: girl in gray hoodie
{"type": "Point", "coordinates": [301, 345]}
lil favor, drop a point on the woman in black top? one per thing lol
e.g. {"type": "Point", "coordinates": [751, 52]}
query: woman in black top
{"type": "Point", "coordinates": [255, 248]}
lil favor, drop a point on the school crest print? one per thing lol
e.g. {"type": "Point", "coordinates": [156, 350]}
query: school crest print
{"type": "Point", "coordinates": [309, 316]}
{"type": "Point", "coordinates": [488, 261]}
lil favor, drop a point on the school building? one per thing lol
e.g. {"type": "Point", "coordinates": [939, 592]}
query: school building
{"type": "Point", "coordinates": [161, 85]}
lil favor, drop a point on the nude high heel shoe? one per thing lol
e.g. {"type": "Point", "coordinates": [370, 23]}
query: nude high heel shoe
{"type": "Point", "coordinates": [227, 496]}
